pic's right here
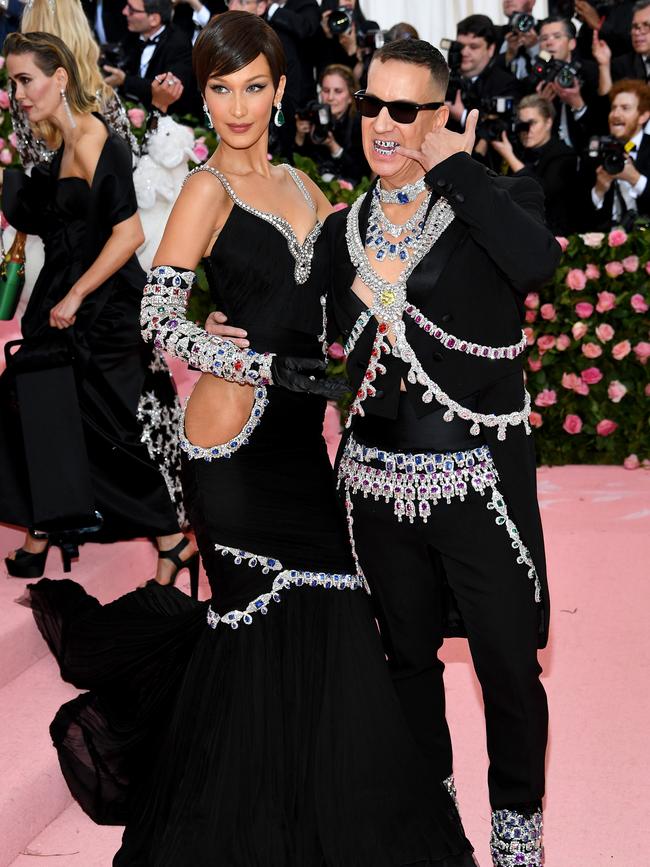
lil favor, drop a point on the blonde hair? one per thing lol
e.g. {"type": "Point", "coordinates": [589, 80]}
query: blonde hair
{"type": "Point", "coordinates": [67, 20]}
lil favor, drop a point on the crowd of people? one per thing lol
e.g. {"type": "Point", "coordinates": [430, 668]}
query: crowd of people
{"type": "Point", "coordinates": [563, 99]}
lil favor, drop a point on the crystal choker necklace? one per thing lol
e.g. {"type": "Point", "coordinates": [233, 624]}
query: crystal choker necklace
{"type": "Point", "coordinates": [404, 195]}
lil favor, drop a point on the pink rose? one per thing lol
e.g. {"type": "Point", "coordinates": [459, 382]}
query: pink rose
{"type": "Point", "coordinates": [535, 364]}
{"type": "Point", "coordinates": [2, 143]}
{"type": "Point", "coordinates": [545, 342]}
{"type": "Point", "coordinates": [591, 375]}
{"type": "Point", "coordinates": [535, 419]}
{"type": "Point", "coordinates": [4, 99]}
{"type": "Point", "coordinates": [631, 264]}
{"type": "Point", "coordinates": [638, 303]}
{"type": "Point", "coordinates": [617, 237]}
{"type": "Point", "coordinates": [562, 342]}
{"type": "Point", "coordinates": [531, 315]}
{"type": "Point", "coordinates": [136, 116]}
{"type": "Point", "coordinates": [642, 351]}
{"type": "Point", "coordinates": [579, 329]}
{"type": "Point", "coordinates": [570, 380]}
{"type": "Point", "coordinates": [592, 350]}
{"type": "Point", "coordinates": [614, 269]}
{"type": "Point", "coordinates": [605, 427]}
{"type": "Point", "coordinates": [604, 332]}
{"type": "Point", "coordinates": [13, 138]}
{"type": "Point", "coordinates": [592, 272]}
{"type": "Point", "coordinates": [584, 309]}
{"type": "Point", "coordinates": [336, 351]}
{"type": "Point", "coordinates": [572, 424]}
{"type": "Point", "coordinates": [345, 185]}
{"type": "Point", "coordinates": [620, 350]}
{"type": "Point", "coordinates": [616, 391]}
{"type": "Point", "coordinates": [606, 301]}
{"type": "Point", "coordinates": [547, 397]}
{"type": "Point", "coordinates": [576, 279]}
{"type": "Point", "coordinates": [530, 335]}
{"type": "Point", "coordinates": [593, 239]}
{"type": "Point", "coordinates": [532, 301]}
{"type": "Point", "coordinates": [200, 150]}
{"type": "Point", "coordinates": [563, 242]}
{"type": "Point", "coordinates": [631, 462]}
{"type": "Point", "coordinates": [340, 206]}
{"type": "Point", "coordinates": [6, 157]}
{"type": "Point", "coordinates": [548, 312]}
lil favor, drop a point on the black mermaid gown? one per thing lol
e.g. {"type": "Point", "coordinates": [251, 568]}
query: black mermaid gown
{"type": "Point", "coordinates": [260, 729]}
{"type": "Point", "coordinates": [121, 388]}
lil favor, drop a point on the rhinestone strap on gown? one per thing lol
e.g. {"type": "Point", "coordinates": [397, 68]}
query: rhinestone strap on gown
{"type": "Point", "coordinates": [259, 729]}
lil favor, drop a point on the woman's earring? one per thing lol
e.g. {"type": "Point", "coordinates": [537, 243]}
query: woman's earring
{"type": "Point", "coordinates": [208, 115]}
{"type": "Point", "coordinates": [278, 120]}
{"type": "Point", "coordinates": [66, 106]}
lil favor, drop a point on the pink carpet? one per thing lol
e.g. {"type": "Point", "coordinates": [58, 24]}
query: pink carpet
{"type": "Point", "coordinates": [597, 523]}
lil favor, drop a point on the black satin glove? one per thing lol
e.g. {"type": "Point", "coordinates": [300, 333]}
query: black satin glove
{"type": "Point", "coordinates": [306, 375]}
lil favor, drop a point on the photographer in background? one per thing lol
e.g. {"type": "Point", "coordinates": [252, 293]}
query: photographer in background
{"type": "Point", "coordinates": [611, 18]}
{"type": "Point", "coordinates": [344, 38]}
{"type": "Point", "coordinates": [329, 132]}
{"type": "Point", "coordinates": [475, 80]}
{"type": "Point", "coordinates": [158, 64]}
{"type": "Point", "coordinates": [517, 41]}
{"type": "Point", "coordinates": [568, 83]}
{"type": "Point", "coordinates": [540, 154]}
{"type": "Point", "coordinates": [635, 64]}
{"type": "Point", "coordinates": [618, 184]}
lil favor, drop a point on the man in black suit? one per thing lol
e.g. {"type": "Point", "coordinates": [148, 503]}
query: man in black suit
{"type": "Point", "coordinates": [160, 59]}
{"type": "Point", "coordinates": [635, 64]}
{"type": "Point", "coordinates": [106, 19]}
{"type": "Point", "coordinates": [517, 49]}
{"type": "Point", "coordinates": [616, 198]}
{"type": "Point", "coordinates": [440, 414]}
{"type": "Point", "coordinates": [578, 110]}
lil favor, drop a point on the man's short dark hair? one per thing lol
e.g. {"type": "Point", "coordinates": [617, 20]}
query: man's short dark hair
{"type": "Point", "coordinates": [478, 25]}
{"type": "Point", "coordinates": [569, 26]}
{"type": "Point", "coordinates": [162, 7]}
{"type": "Point", "coordinates": [420, 53]}
{"type": "Point", "coordinates": [640, 6]}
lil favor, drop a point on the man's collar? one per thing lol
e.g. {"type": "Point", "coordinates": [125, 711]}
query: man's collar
{"type": "Point", "coordinates": [154, 36]}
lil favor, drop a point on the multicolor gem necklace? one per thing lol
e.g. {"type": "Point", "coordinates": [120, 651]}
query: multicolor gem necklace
{"type": "Point", "coordinates": [379, 226]}
{"type": "Point", "coordinates": [403, 195]}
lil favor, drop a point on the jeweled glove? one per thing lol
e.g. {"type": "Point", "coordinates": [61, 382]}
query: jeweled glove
{"type": "Point", "coordinates": [163, 321]}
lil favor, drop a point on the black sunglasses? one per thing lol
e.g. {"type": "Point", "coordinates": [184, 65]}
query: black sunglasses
{"type": "Point", "coordinates": [400, 110]}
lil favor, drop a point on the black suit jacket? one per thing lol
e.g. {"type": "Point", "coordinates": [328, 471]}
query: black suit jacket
{"type": "Point", "coordinates": [183, 13]}
{"type": "Point", "coordinates": [296, 23]}
{"type": "Point", "coordinates": [499, 234]}
{"type": "Point", "coordinates": [173, 53]}
{"type": "Point", "coordinates": [629, 66]}
{"type": "Point", "coordinates": [601, 219]}
{"type": "Point", "coordinates": [113, 19]}
{"type": "Point", "coordinates": [555, 168]}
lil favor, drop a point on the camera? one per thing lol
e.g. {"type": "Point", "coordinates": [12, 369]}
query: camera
{"type": "Point", "coordinates": [497, 115]}
{"type": "Point", "coordinates": [521, 22]}
{"type": "Point", "coordinates": [609, 152]}
{"type": "Point", "coordinates": [319, 116]}
{"type": "Point", "coordinates": [522, 126]}
{"type": "Point", "coordinates": [371, 40]}
{"type": "Point", "coordinates": [112, 54]}
{"type": "Point", "coordinates": [340, 21]}
{"type": "Point", "coordinates": [547, 69]}
{"type": "Point", "coordinates": [454, 51]}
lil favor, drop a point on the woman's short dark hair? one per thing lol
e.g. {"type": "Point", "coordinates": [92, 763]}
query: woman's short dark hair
{"type": "Point", "coordinates": [420, 53]}
{"type": "Point", "coordinates": [231, 41]}
{"type": "Point", "coordinates": [535, 101]}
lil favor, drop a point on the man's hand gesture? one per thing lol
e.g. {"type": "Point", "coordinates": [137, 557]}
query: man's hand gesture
{"type": "Point", "coordinates": [442, 144]}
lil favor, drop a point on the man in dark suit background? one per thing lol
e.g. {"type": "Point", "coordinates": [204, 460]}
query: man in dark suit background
{"type": "Point", "coordinates": [159, 59]}
{"type": "Point", "coordinates": [106, 19]}
{"type": "Point", "coordinates": [614, 199]}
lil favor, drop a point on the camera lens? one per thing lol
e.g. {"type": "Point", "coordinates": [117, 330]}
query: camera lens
{"type": "Point", "coordinates": [339, 22]}
{"type": "Point", "coordinates": [522, 23]}
{"type": "Point", "coordinates": [565, 77]}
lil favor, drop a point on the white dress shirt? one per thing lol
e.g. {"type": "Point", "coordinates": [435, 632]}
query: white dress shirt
{"type": "Point", "coordinates": [148, 50]}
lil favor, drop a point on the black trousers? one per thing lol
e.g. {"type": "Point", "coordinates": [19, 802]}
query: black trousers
{"type": "Point", "coordinates": [405, 565]}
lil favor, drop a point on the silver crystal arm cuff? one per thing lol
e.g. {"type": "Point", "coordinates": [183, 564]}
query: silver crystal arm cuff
{"type": "Point", "coordinates": [163, 322]}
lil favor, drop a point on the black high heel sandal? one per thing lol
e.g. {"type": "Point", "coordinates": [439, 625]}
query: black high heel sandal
{"type": "Point", "coordinates": [28, 565]}
{"type": "Point", "coordinates": [192, 563]}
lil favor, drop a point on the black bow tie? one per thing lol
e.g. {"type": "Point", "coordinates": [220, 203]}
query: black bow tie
{"type": "Point", "coordinates": [153, 41]}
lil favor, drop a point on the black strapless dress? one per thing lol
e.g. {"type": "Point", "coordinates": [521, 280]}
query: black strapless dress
{"type": "Point", "coordinates": [126, 399]}
{"type": "Point", "coordinates": [260, 729]}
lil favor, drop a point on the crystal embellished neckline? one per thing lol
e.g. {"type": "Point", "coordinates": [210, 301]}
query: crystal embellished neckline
{"type": "Point", "coordinates": [379, 226]}
{"type": "Point", "coordinates": [404, 195]}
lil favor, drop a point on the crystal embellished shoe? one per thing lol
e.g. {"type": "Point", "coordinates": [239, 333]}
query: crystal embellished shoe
{"type": "Point", "coordinates": [516, 839]}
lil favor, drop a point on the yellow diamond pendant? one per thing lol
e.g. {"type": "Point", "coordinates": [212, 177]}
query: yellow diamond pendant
{"type": "Point", "coordinates": [387, 297]}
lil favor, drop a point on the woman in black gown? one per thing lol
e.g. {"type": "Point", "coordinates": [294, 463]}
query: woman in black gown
{"type": "Point", "coordinates": [96, 434]}
{"type": "Point", "coordinates": [261, 730]}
